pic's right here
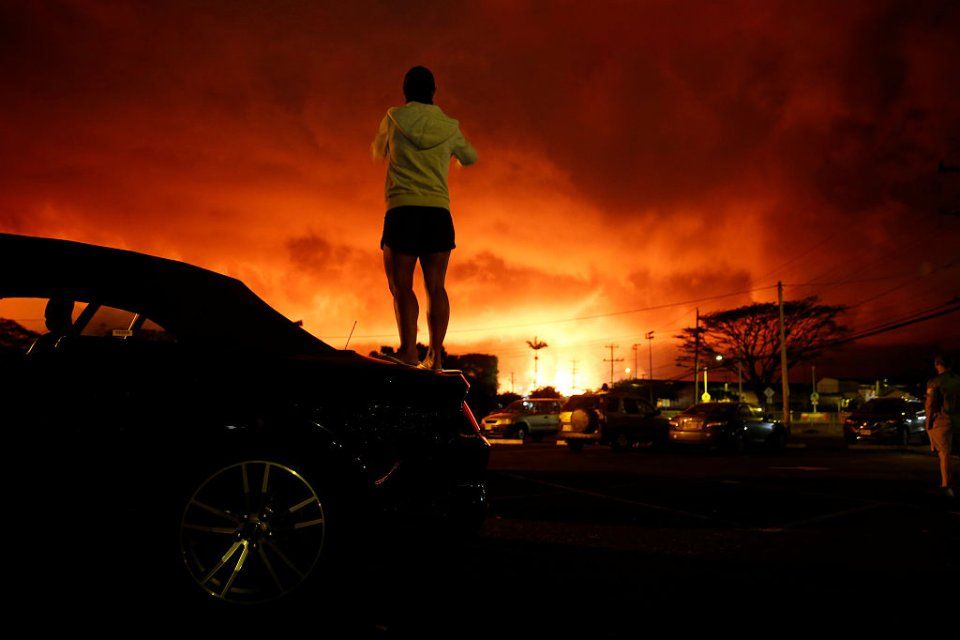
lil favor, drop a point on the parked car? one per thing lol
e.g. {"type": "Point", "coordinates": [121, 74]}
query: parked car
{"type": "Point", "coordinates": [533, 417]}
{"type": "Point", "coordinates": [620, 419]}
{"type": "Point", "coordinates": [171, 427]}
{"type": "Point", "coordinates": [886, 420]}
{"type": "Point", "coordinates": [733, 425]}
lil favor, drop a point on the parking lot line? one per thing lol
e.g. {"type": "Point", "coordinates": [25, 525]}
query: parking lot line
{"type": "Point", "coordinates": [830, 516]}
{"type": "Point", "coordinates": [636, 503]}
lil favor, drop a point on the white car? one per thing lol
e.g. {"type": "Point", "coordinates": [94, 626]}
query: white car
{"type": "Point", "coordinates": [530, 417]}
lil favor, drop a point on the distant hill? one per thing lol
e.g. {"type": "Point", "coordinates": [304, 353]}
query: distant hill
{"type": "Point", "coordinates": [14, 336]}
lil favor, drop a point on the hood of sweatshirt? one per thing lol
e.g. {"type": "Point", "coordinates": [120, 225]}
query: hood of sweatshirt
{"type": "Point", "coordinates": [425, 125]}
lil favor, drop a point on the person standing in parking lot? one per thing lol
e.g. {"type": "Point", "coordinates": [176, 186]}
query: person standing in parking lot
{"type": "Point", "coordinates": [943, 417]}
{"type": "Point", "coordinates": [418, 140]}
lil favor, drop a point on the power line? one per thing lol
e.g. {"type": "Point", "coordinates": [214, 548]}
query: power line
{"type": "Point", "coordinates": [524, 325]}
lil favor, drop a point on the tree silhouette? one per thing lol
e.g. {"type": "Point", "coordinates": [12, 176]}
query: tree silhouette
{"type": "Point", "coordinates": [536, 345]}
{"type": "Point", "coordinates": [750, 335]}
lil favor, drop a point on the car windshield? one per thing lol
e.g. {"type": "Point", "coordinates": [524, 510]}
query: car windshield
{"type": "Point", "coordinates": [883, 405]}
{"type": "Point", "coordinates": [580, 402]}
{"type": "Point", "coordinates": [712, 409]}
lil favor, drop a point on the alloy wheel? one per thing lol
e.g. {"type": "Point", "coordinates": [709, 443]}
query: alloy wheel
{"type": "Point", "coordinates": [252, 531]}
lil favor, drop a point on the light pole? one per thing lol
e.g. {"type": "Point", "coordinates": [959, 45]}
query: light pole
{"type": "Point", "coordinates": [706, 393]}
{"type": "Point", "coordinates": [650, 370]}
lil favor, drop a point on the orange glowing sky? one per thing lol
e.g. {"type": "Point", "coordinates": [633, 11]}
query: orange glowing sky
{"type": "Point", "coordinates": [632, 154]}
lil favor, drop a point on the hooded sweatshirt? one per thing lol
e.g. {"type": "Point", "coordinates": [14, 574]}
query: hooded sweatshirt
{"type": "Point", "coordinates": [418, 140]}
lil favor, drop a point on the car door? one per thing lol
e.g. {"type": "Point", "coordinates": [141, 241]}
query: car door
{"type": "Point", "coordinates": [104, 393]}
{"type": "Point", "coordinates": [750, 419]}
{"type": "Point", "coordinates": [551, 417]}
{"type": "Point", "coordinates": [653, 427]}
{"type": "Point", "coordinates": [612, 415]}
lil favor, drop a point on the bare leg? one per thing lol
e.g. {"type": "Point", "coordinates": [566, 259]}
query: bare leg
{"type": "Point", "coordinates": [399, 268]}
{"type": "Point", "coordinates": [946, 472]}
{"type": "Point", "coordinates": [434, 268]}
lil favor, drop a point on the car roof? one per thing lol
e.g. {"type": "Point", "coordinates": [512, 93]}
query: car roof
{"type": "Point", "coordinates": [187, 300]}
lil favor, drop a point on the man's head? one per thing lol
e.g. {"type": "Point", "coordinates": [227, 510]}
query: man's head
{"type": "Point", "coordinates": [419, 85]}
{"type": "Point", "coordinates": [942, 362]}
{"type": "Point", "coordinates": [58, 315]}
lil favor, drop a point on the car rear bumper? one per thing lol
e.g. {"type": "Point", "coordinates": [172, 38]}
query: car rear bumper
{"type": "Point", "coordinates": [872, 434]}
{"type": "Point", "coordinates": [497, 430]}
{"type": "Point", "coordinates": [695, 437]}
{"type": "Point", "coordinates": [577, 435]}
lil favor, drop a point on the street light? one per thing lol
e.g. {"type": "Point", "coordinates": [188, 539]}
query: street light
{"type": "Point", "coordinates": [649, 337]}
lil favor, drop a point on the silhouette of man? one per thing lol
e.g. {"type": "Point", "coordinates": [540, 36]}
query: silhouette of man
{"type": "Point", "coordinates": [943, 417]}
{"type": "Point", "coordinates": [418, 141]}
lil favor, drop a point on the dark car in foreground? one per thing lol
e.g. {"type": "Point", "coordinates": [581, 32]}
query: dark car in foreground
{"type": "Point", "coordinates": [170, 431]}
{"type": "Point", "coordinates": [621, 419]}
{"type": "Point", "coordinates": [890, 420]}
{"type": "Point", "coordinates": [731, 425]}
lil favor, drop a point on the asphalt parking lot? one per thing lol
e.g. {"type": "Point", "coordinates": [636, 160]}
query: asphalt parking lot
{"type": "Point", "coordinates": [601, 542]}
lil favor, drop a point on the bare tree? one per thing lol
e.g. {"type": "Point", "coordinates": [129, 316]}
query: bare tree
{"type": "Point", "coordinates": [750, 335]}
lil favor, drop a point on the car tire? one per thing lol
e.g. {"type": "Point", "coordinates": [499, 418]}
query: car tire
{"type": "Point", "coordinates": [255, 530]}
{"type": "Point", "coordinates": [620, 442]}
{"type": "Point", "coordinates": [575, 445]}
{"type": "Point", "coordinates": [777, 441]}
{"type": "Point", "coordinates": [521, 432]}
{"type": "Point", "coordinates": [903, 437]}
{"type": "Point", "coordinates": [736, 445]}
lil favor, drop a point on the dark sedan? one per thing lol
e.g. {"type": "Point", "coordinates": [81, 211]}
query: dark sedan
{"type": "Point", "coordinates": [892, 420]}
{"type": "Point", "coordinates": [170, 430]}
{"type": "Point", "coordinates": [732, 425]}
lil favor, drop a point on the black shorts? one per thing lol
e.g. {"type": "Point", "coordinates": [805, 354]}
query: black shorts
{"type": "Point", "coordinates": [418, 231]}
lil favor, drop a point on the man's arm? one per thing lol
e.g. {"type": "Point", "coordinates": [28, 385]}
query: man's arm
{"type": "Point", "coordinates": [931, 407]}
{"type": "Point", "coordinates": [463, 150]}
{"type": "Point", "coordinates": [380, 143]}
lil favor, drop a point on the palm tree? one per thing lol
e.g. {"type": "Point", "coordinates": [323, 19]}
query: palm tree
{"type": "Point", "coordinates": [536, 345]}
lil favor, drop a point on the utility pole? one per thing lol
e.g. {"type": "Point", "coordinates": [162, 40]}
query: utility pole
{"type": "Point", "coordinates": [784, 380]}
{"type": "Point", "coordinates": [612, 360]}
{"type": "Point", "coordinates": [650, 370]}
{"type": "Point", "coordinates": [573, 382]}
{"type": "Point", "coordinates": [696, 357]}
{"type": "Point", "coordinates": [511, 382]}
{"type": "Point", "coordinates": [636, 361]}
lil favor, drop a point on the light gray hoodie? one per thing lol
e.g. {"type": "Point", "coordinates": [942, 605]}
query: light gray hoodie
{"type": "Point", "coordinates": [418, 140]}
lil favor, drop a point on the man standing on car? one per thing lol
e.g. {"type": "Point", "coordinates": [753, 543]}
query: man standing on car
{"type": "Point", "coordinates": [943, 417]}
{"type": "Point", "coordinates": [418, 140]}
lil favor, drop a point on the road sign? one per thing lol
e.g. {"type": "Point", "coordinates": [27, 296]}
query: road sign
{"type": "Point", "coordinates": [814, 397]}
{"type": "Point", "coordinates": [705, 397]}
{"type": "Point", "coordinates": [768, 392]}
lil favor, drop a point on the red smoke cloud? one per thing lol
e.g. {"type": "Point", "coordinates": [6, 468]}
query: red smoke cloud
{"type": "Point", "coordinates": [631, 155]}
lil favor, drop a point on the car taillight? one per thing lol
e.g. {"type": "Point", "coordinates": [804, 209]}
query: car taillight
{"type": "Point", "coordinates": [470, 426]}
